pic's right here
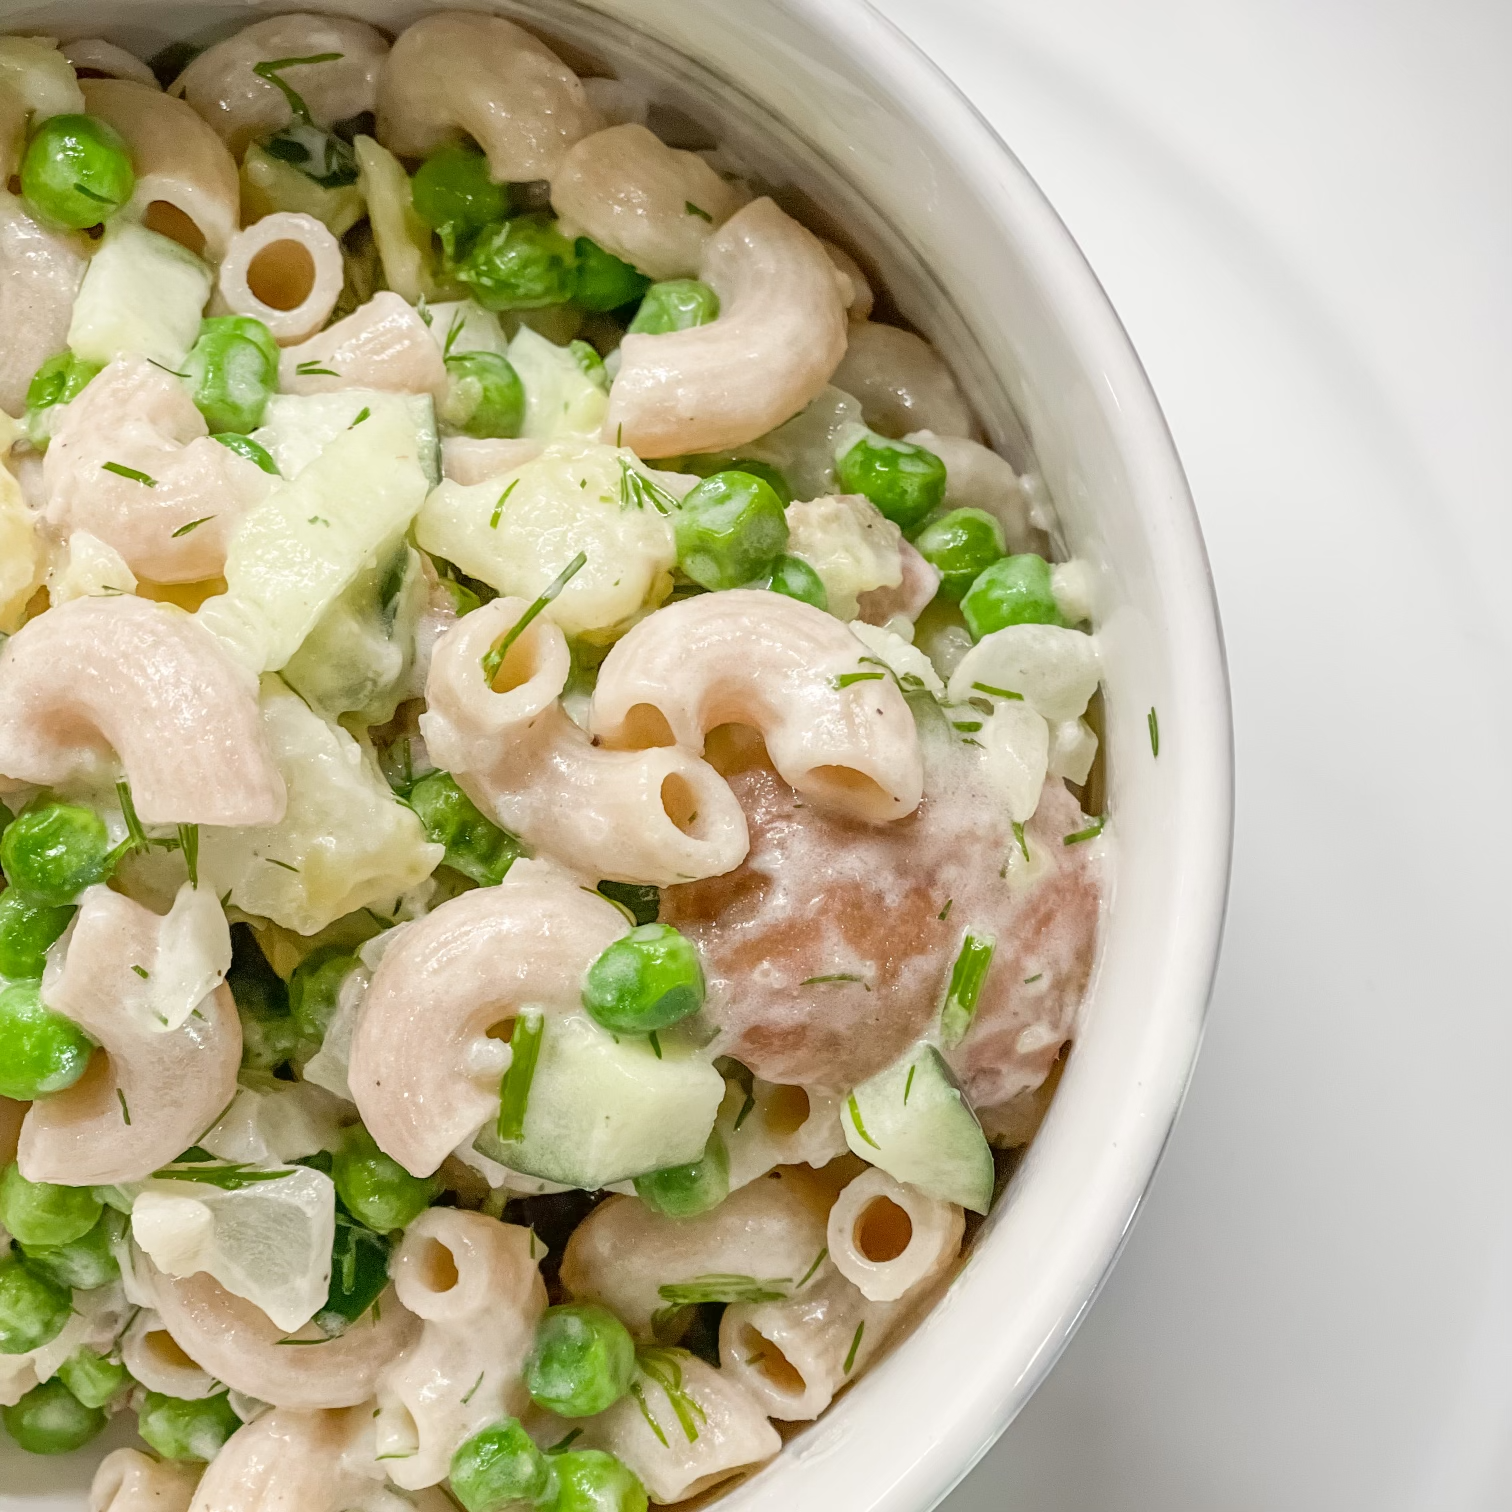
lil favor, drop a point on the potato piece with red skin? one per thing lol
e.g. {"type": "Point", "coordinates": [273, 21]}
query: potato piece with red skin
{"type": "Point", "coordinates": [827, 956]}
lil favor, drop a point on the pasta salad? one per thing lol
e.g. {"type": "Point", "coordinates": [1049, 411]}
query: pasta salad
{"type": "Point", "coordinates": [551, 813]}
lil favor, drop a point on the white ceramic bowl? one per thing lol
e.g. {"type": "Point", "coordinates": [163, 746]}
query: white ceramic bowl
{"type": "Point", "coordinates": [825, 95]}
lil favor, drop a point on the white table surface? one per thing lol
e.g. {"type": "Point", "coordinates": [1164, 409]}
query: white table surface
{"type": "Point", "coordinates": [1302, 210]}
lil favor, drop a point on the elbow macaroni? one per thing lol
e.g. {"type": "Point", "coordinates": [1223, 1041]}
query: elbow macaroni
{"type": "Point", "coordinates": [623, 1253]}
{"type": "Point", "coordinates": [881, 1255]}
{"type": "Point", "coordinates": [179, 161]}
{"type": "Point", "coordinates": [780, 334]}
{"type": "Point", "coordinates": [730, 1432]}
{"type": "Point", "coordinates": [220, 84]}
{"type": "Point", "coordinates": [645, 202]}
{"type": "Point", "coordinates": [175, 528]}
{"type": "Point", "coordinates": [658, 816]}
{"type": "Point", "coordinates": [474, 1283]}
{"type": "Point", "coordinates": [837, 730]}
{"type": "Point", "coordinates": [154, 1090]}
{"type": "Point", "coordinates": [152, 688]}
{"type": "Point", "coordinates": [382, 345]}
{"type": "Point", "coordinates": [238, 1344]}
{"type": "Point", "coordinates": [446, 980]}
{"type": "Point", "coordinates": [292, 258]}
{"type": "Point", "coordinates": [129, 1481]}
{"type": "Point", "coordinates": [459, 72]}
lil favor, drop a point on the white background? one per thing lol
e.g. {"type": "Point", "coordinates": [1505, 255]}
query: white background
{"type": "Point", "coordinates": [1302, 209]}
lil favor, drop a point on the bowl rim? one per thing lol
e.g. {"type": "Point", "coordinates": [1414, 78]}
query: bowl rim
{"type": "Point", "coordinates": [893, 1477]}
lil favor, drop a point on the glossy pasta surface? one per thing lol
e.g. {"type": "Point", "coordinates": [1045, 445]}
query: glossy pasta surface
{"type": "Point", "coordinates": [549, 786]}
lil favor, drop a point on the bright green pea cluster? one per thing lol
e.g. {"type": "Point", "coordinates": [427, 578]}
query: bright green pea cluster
{"type": "Point", "coordinates": [85, 1263]}
{"type": "Point", "coordinates": [60, 380]}
{"type": "Point", "coordinates": [524, 264]}
{"type": "Point", "coordinates": [646, 981]}
{"type": "Point", "coordinates": [93, 1378]}
{"type": "Point", "coordinates": [581, 1362]}
{"type": "Point", "coordinates": [233, 366]}
{"type": "Point", "coordinates": [677, 304]}
{"type": "Point", "coordinates": [454, 195]}
{"type": "Point", "coordinates": [589, 1480]}
{"type": "Point", "coordinates": [484, 395]}
{"type": "Point", "coordinates": [52, 851]}
{"type": "Point", "coordinates": [40, 1213]}
{"type": "Point", "coordinates": [1013, 591]}
{"type": "Point", "coordinates": [76, 171]}
{"type": "Point", "coordinates": [960, 546]}
{"type": "Point", "coordinates": [315, 987]}
{"type": "Point", "coordinates": [604, 281]}
{"type": "Point", "coordinates": [906, 482]}
{"type": "Point", "coordinates": [40, 1051]}
{"type": "Point", "coordinates": [730, 529]}
{"type": "Point", "coordinates": [50, 1419]}
{"type": "Point", "coordinates": [27, 929]}
{"type": "Point", "coordinates": [499, 1466]}
{"type": "Point", "coordinates": [794, 577]}
{"type": "Point", "coordinates": [685, 1191]}
{"type": "Point", "coordinates": [376, 1189]}
{"type": "Point", "coordinates": [475, 846]}
{"type": "Point", "coordinates": [33, 1308]}
{"type": "Point", "coordinates": [183, 1430]}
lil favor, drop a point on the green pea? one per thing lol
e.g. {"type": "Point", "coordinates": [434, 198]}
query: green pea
{"type": "Point", "coordinates": [604, 281]}
{"type": "Point", "coordinates": [50, 1419]}
{"type": "Point", "coordinates": [1013, 591]}
{"type": "Point", "coordinates": [376, 1189]}
{"type": "Point", "coordinates": [92, 1378]}
{"type": "Point", "coordinates": [677, 304]}
{"type": "Point", "coordinates": [959, 546]}
{"type": "Point", "coordinates": [77, 171]}
{"type": "Point", "coordinates": [772, 476]}
{"type": "Point", "coordinates": [906, 482]}
{"type": "Point", "coordinates": [581, 1362]}
{"type": "Point", "coordinates": [182, 1430]}
{"type": "Point", "coordinates": [33, 1309]}
{"type": "Point", "coordinates": [475, 846]}
{"type": "Point", "coordinates": [27, 928]}
{"type": "Point", "coordinates": [38, 1212]}
{"type": "Point", "coordinates": [644, 982]}
{"type": "Point", "coordinates": [315, 987]}
{"type": "Point", "coordinates": [730, 529]}
{"type": "Point", "coordinates": [590, 363]}
{"type": "Point", "coordinates": [454, 195]}
{"type": "Point", "coordinates": [359, 1273]}
{"type": "Point", "coordinates": [498, 1466]}
{"type": "Point", "coordinates": [40, 1051]}
{"type": "Point", "coordinates": [484, 395]}
{"type": "Point", "coordinates": [59, 380]}
{"type": "Point", "coordinates": [687, 1190]}
{"type": "Point", "coordinates": [85, 1263]}
{"type": "Point", "coordinates": [53, 851]}
{"type": "Point", "coordinates": [525, 264]}
{"type": "Point", "coordinates": [588, 1480]}
{"type": "Point", "coordinates": [234, 369]}
{"type": "Point", "coordinates": [245, 446]}
{"type": "Point", "coordinates": [794, 577]}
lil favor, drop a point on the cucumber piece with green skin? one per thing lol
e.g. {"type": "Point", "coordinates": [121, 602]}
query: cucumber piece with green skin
{"type": "Point", "coordinates": [603, 1109]}
{"type": "Point", "coordinates": [912, 1122]}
